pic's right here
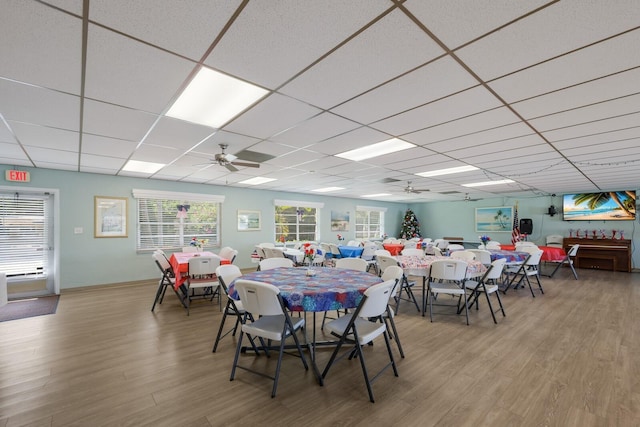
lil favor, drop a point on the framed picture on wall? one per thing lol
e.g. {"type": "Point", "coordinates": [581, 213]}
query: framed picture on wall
{"type": "Point", "coordinates": [339, 221]}
{"type": "Point", "coordinates": [497, 219]}
{"type": "Point", "coordinates": [249, 220]}
{"type": "Point", "coordinates": [110, 216]}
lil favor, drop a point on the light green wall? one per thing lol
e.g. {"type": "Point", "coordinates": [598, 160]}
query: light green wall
{"type": "Point", "coordinates": [87, 261]}
{"type": "Point", "coordinates": [458, 219]}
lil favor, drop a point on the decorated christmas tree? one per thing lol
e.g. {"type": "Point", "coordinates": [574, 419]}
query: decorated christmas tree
{"type": "Point", "coordinates": [410, 226]}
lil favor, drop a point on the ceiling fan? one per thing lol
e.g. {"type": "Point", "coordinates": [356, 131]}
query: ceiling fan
{"type": "Point", "coordinates": [229, 160]}
{"type": "Point", "coordinates": [410, 189]}
{"type": "Point", "coordinates": [468, 198]}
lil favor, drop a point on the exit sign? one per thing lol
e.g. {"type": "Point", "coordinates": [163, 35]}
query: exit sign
{"type": "Point", "coordinates": [20, 176]}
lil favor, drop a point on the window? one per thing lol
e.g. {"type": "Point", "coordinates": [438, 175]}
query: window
{"type": "Point", "coordinates": [296, 220]}
{"type": "Point", "coordinates": [24, 235]}
{"type": "Point", "coordinates": [169, 220]}
{"type": "Point", "coordinates": [369, 222]}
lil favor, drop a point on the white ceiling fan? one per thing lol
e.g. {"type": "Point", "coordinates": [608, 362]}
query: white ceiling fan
{"type": "Point", "coordinates": [409, 189]}
{"type": "Point", "coordinates": [468, 198]}
{"type": "Point", "coordinates": [229, 160]}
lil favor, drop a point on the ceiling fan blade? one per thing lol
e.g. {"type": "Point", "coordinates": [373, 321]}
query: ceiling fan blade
{"type": "Point", "coordinates": [230, 167]}
{"type": "Point", "coordinates": [248, 165]}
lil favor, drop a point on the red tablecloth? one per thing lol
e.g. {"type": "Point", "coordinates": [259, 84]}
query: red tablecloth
{"type": "Point", "coordinates": [180, 263]}
{"type": "Point", "coordinates": [393, 248]}
{"type": "Point", "coordinates": [550, 253]}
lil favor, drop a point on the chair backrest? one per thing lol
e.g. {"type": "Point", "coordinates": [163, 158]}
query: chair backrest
{"type": "Point", "coordinates": [273, 253]}
{"type": "Point", "coordinates": [334, 249]}
{"type": "Point", "coordinates": [259, 298]}
{"type": "Point", "coordinates": [267, 245]}
{"type": "Point", "coordinates": [524, 244]}
{"type": "Point", "coordinates": [436, 251]}
{"type": "Point", "coordinates": [534, 258]}
{"type": "Point", "coordinates": [226, 274]}
{"type": "Point", "coordinates": [377, 299]}
{"type": "Point", "coordinates": [412, 251]}
{"type": "Point", "coordinates": [574, 250]}
{"type": "Point", "coordinates": [382, 252]}
{"type": "Point", "coordinates": [352, 263]}
{"type": "Point", "coordinates": [385, 261]}
{"type": "Point", "coordinates": [496, 269]}
{"type": "Point", "coordinates": [448, 269]}
{"type": "Point", "coordinates": [271, 263]}
{"type": "Point", "coordinates": [481, 255]}
{"type": "Point", "coordinates": [227, 253]}
{"type": "Point", "coordinates": [368, 252]}
{"type": "Point", "coordinates": [260, 252]}
{"type": "Point", "coordinates": [393, 272]}
{"type": "Point", "coordinates": [528, 248]}
{"type": "Point", "coordinates": [410, 244]}
{"type": "Point", "coordinates": [492, 244]}
{"type": "Point", "coordinates": [325, 248]}
{"type": "Point", "coordinates": [203, 265]}
{"type": "Point", "coordinates": [554, 240]}
{"type": "Point", "coordinates": [440, 243]}
{"type": "Point", "coordinates": [161, 262]}
{"type": "Point", "coordinates": [189, 249]}
{"type": "Point", "coordinates": [463, 255]}
{"type": "Point", "coordinates": [455, 247]}
{"type": "Point", "coordinates": [353, 243]}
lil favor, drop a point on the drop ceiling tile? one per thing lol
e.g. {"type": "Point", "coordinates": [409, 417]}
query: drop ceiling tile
{"type": "Point", "coordinates": [463, 104]}
{"type": "Point", "coordinates": [349, 141]}
{"type": "Point", "coordinates": [11, 152]}
{"type": "Point", "coordinates": [479, 139]}
{"type": "Point", "coordinates": [624, 135]}
{"type": "Point", "coordinates": [473, 19]}
{"type": "Point", "coordinates": [591, 128]}
{"type": "Point", "coordinates": [553, 31]}
{"type": "Point", "coordinates": [132, 125]}
{"type": "Point", "coordinates": [187, 28]}
{"type": "Point", "coordinates": [273, 115]}
{"type": "Point", "coordinates": [236, 143]}
{"type": "Point", "coordinates": [614, 147]}
{"type": "Point", "coordinates": [38, 136]}
{"type": "Point", "coordinates": [156, 154]}
{"type": "Point", "coordinates": [270, 42]}
{"type": "Point", "coordinates": [91, 161]}
{"type": "Point", "coordinates": [130, 74]}
{"type": "Point", "coordinates": [34, 35]}
{"type": "Point", "coordinates": [315, 129]}
{"type": "Point", "coordinates": [303, 159]}
{"type": "Point", "coordinates": [53, 159]}
{"type": "Point", "coordinates": [426, 84]}
{"type": "Point", "coordinates": [101, 146]}
{"type": "Point", "coordinates": [356, 67]}
{"type": "Point", "coordinates": [30, 104]}
{"type": "Point", "coordinates": [597, 61]}
{"type": "Point", "coordinates": [177, 134]}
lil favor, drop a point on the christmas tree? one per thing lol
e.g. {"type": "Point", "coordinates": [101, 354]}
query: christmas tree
{"type": "Point", "coordinates": [410, 226]}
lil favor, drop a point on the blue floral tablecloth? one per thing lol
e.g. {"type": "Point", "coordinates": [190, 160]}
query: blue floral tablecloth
{"type": "Point", "coordinates": [329, 289]}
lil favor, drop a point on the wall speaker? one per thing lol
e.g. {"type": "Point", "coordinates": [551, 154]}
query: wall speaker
{"type": "Point", "coordinates": [526, 226]}
{"type": "Point", "coordinates": [552, 210]}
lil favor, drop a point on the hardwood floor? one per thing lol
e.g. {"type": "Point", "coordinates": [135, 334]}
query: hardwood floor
{"type": "Point", "coordinates": [570, 357]}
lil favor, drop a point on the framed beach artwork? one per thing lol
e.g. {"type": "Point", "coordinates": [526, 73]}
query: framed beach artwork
{"type": "Point", "coordinates": [494, 219]}
{"type": "Point", "coordinates": [339, 221]}
{"type": "Point", "coordinates": [110, 216]}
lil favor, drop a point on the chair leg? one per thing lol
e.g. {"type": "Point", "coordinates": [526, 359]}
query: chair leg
{"type": "Point", "coordinates": [573, 269]}
{"type": "Point", "coordinates": [236, 356]}
{"type": "Point", "coordinates": [219, 335]}
{"type": "Point", "coordinates": [159, 294]}
{"type": "Point", "coordinates": [493, 315]}
{"type": "Point", "coordinates": [396, 337]}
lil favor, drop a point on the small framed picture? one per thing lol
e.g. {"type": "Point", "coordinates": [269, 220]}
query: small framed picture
{"type": "Point", "coordinates": [494, 219]}
{"type": "Point", "coordinates": [249, 220]}
{"type": "Point", "coordinates": [110, 216]}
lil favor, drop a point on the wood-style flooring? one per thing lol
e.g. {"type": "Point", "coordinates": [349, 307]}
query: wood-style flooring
{"type": "Point", "coordinates": [570, 357]}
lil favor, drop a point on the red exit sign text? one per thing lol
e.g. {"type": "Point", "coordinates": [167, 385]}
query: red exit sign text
{"type": "Point", "coordinates": [21, 176]}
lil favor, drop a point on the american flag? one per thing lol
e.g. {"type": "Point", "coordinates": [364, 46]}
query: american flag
{"type": "Point", "coordinates": [515, 233]}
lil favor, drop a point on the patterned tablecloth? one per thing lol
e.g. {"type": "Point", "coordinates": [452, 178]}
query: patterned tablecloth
{"type": "Point", "coordinates": [510, 256]}
{"type": "Point", "coordinates": [180, 263]}
{"type": "Point", "coordinates": [549, 253]}
{"type": "Point", "coordinates": [329, 289]}
{"type": "Point", "coordinates": [414, 265]}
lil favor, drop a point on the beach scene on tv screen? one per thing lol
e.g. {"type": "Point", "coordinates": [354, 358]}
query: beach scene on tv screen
{"type": "Point", "coordinates": [606, 206]}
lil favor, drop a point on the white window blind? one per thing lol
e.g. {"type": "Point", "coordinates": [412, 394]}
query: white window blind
{"type": "Point", "coordinates": [296, 220]}
{"type": "Point", "coordinates": [169, 220]}
{"type": "Point", "coordinates": [24, 235]}
{"type": "Point", "coordinates": [369, 222]}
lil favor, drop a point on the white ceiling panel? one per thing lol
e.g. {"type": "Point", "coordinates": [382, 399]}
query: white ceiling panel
{"type": "Point", "coordinates": [356, 67]}
{"type": "Point", "coordinates": [569, 68]}
{"type": "Point", "coordinates": [433, 81]}
{"type": "Point", "coordinates": [273, 115]}
{"type": "Point", "coordinates": [463, 104]}
{"type": "Point", "coordinates": [132, 74]}
{"type": "Point", "coordinates": [187, 28]}
{"type": "Point", "coordinates": [270, 42]}
{"type": "Point", "coordinates": [555, 30]}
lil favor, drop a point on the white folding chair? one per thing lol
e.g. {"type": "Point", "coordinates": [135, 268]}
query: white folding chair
{"type": "Point", "coordinates": [270, 263]}
{"type": "Point", "coordinates": [271, 322]}
{"type": "Point", "coordinates": [492, 244]}
{"type": "Point", "coordinates": [393, 272]}
{"type": "Point", "coordinates": [482, 255]}
{"type": "Point", "coordinates": [464, 255]}
{"type": "Point", "coordinates": [522, 272]}
{"type": "Point", "coordinates": [361, 327]}
{"type": "Point", "coordinates": [227, 274]}
{"type": "Point", "coordinates": [488, 285]}
{"type": "Point", "coordinates": [568, 260]}
{"type": "Point", "coordinates": [228, 253]}
{"type": "Point", "coordinates": [189, 249]}
{"type": "Point", "coordinates": [554, 240]}
{"type": "Point", "coordinates": [386, 261]}
{"type": "Point", "coordinates": [166, 280]}
{"type": "Point", "coordinates": [369, 255]}
{"type": "Point", "coordinates": [202, 275]}
{"type": "Point", "coordinates": [412, 251]}
{"type": "Point", "coordinates": [447, 277]}
{"type": "Point", "coordinates": [352, 263]}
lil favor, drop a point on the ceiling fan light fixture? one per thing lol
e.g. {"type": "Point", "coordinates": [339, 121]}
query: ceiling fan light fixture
{"type": "Point", "coordinates": [379, 149]}
{"type": "Point", "coordinates": [212, 99]}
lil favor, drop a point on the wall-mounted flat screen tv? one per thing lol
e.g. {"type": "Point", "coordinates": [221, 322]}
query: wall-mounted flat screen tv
{"type": "Point", "coordinates": [605, 206]}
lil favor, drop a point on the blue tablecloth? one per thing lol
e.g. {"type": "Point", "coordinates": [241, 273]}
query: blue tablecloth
{"type": "Point", "coordinates": [350, 251]}
{"type": "Point", "coordinates": [329, 289]}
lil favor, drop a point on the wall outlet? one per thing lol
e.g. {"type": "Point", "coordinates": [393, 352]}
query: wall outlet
{"type": "Point", "coordinates": [78, 230]}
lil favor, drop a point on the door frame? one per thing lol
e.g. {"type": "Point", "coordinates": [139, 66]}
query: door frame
{"type": "Point", "coordinates": [55, 192]}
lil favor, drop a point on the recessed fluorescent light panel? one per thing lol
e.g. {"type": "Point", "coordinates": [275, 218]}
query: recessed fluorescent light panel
{"type": "Point", "coordinates": [447, 171]}
{"type": "Point", "coordinates": [375, 150]}
{"type": "Point", "coordinates": [482, 184]}
{"type": "Point", "coordinates": [256, 180]}
{"type": "Point", "coordinates": [143, 167]}
{"type": "Point", "coordinates": [377, 195]}
{"type": "Point", "coordinates": [328, 189]}
{"type": "Point", "coordinates": [213, 98]}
